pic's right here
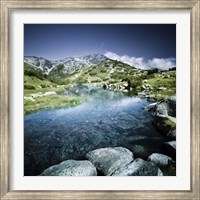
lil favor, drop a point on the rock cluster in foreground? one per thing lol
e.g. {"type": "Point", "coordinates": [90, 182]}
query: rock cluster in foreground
{"type": "Point", "coordinates": [113, 161]}
{"type": "Point", "coordinates": [164, 120]}
{"type": "Point", "coordinates": [164, 116]}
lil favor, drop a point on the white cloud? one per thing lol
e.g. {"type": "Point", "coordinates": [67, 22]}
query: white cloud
{"type": "Point", "coordinates": [160, 63]}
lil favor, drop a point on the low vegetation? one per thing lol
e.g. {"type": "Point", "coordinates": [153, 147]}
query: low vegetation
{"type": "Point", "coordinates": [113, 75]}
{"type": "Point", "coordinates": [35, 82]}
{"type": "Point", "coordinates": [156, 83]}
{"type": "Point", "coordinates": [52, 101]}
{"type": "Point", "coordinates": [170, 124]}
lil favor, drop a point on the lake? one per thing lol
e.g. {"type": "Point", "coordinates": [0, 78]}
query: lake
{"type": "Point", "coordinates": [107, 119]}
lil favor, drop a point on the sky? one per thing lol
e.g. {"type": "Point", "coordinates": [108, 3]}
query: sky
{"type": "Point", "coordinates": [139, 42]}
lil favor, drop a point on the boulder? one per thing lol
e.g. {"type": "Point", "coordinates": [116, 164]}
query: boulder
{"type": "Point", "coordinates": [166, 107]}
{"type": "Point", "coordinates": [39, 94]}
{"type": "Point", "coordinates": [141, 94]}
{"type": "Point", "coordinates": [162, 88]}
{"type": "Point", "coordinates": [71, 168]}
{"type": "Point", "coordinates": [151, 106]}
{"type": "Point", "coordinates": [160, 160]}
{"type": "Point", "coordinates": [49, 93]}
{"type": "Point", "coordinates": [29, 99]}
{"type": "Point", "coordinates": [108, 160]}
{"type": "Point", "coordinates": [165, 125]}
{"type": "Point", "coordinates": [172, 134]}
{"type": "Point", "coordinates": [165, 163]}
{"type": "Point", "coordinates": [138, 167]}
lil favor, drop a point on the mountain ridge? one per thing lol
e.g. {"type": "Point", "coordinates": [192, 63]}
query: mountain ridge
{"type": "Point", "coordinates": [69, 64]}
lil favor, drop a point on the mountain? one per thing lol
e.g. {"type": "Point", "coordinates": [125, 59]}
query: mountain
{"type": "Point", "coordinates": [39, 62]}
{"type": "Point", "coordinates": [100, 71]}
{"type": "Point", "coordinates": [74, 64]}
{"type": "Point", "coordinates": [65, 66]}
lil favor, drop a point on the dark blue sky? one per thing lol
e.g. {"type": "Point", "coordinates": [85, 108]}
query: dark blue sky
{"type": "Point", "coordinates": [57, 41]}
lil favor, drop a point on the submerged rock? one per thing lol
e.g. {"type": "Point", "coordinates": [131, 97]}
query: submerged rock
{"type": "Point", "coordinates": [108, 160]}
{"type": "Point", "coordinates": [71, 168]}
{"type": "Point", "coordinates": [139, 167]}
{"type": "Point", "coordinates": [138, 151]}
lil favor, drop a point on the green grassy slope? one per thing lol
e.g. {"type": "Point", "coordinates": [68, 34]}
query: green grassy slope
{"type": "Point", "coordinates": [113, 75]}
{"type": "Point", "coordinates": [38, 88]}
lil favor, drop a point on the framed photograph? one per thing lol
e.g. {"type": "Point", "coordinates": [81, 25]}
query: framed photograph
{"type": "Point", "coordinates": [88, 99]}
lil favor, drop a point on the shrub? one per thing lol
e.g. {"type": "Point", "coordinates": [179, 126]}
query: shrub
{"type": "Point", "coordinates": [30, 71]}
{"type": "Point", "coordinates": [29, 87]}
{"type": "Point", "coordinates": [103, 70]}
{"type": "Point", "coordinates": [92, 73]}
{"type": "Point", "coordinates": [152, 71]}
{"type": "Point", "coordinates": [44, 85]}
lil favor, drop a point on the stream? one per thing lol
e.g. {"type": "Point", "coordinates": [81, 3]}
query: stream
{"type": "Point", "coordinates": [107, 119]}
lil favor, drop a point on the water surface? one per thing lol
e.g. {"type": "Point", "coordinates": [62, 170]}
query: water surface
{"type": "Point", "coordinates": [108, 119]}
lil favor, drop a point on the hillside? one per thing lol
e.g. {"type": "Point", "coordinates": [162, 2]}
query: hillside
{"type": "Point", "coordinates": [43, 91]}
{"type": "Point", "coordinates": [64, 66]}
{"type": "Point", "coordinates": [106, 73]}
{"type": "Point", "coordinates": [117, 76]}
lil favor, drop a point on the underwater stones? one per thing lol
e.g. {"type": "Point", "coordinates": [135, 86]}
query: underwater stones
{"type": "Point", "coordinates": [108, 160]}
{"type": "Point", "coordinates": [71, 168]}
{"type": "Point", "coordinates": [138, 151]}
{"type": "Point", "coordinates": [138, 167]}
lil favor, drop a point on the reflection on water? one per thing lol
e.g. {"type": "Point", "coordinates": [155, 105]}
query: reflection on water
{"type": "Point", "coordinates": [107, 119]}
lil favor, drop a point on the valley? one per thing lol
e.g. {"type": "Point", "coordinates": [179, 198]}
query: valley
{"type": "Point", "coordinates": [44, 78]}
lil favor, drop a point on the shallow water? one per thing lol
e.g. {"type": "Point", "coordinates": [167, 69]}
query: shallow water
{"type": "Point", "coordinates": [107, 119]}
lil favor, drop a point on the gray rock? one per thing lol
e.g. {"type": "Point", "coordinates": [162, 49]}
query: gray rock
{"type": "Point", "coordinates": [165, 163]}
{"type": "Point", "coordinates": [165, 125]}
{"type": "Point", "coordinates": [29, 99]}
{"type": "Point", "coordinates": [108, 160]}
{"type": "Point", "coordinates": [162, 88]}
{"type": "Point", "coordinates": [151, 106]}
{"type": "Point", "coordinates": [172, 134]}
{"type": "Point", "coordinates": [141, 94]}
{"type": "Point", "coordinates": [39, 94]}
{"type": "Point", "coordinates": [49, 93]}
{"type": "Point", "coordinates": [159, 159]}
{"type": "Point", "coordinates": [166, 107]}
{"type": "Point", "coordinates": [71, 168]}
{"type": "Point", "coordinates": [139, 167]}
